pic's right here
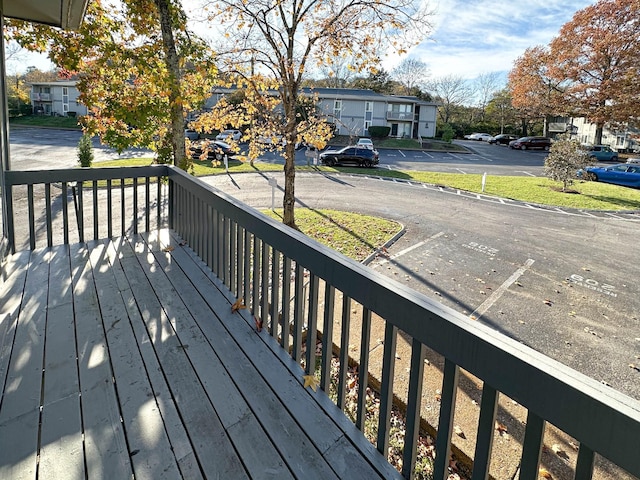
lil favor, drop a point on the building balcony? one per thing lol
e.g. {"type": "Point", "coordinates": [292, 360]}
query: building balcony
{"type": "Point", "coordinates": [154, 327]}
{"type": "Point", "coordinates": [40, 97]}
{"type": "Point", "coordinates": [402, 116]}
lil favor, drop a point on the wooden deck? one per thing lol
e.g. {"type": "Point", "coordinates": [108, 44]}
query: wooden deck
{"type": "Point", "coordinates": [121, 359]}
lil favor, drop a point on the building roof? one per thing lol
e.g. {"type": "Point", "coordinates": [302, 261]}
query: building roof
{"type": "Point", "coordinates": [344, 93]}
{"type": "Point", "coordinates": [67, 14]}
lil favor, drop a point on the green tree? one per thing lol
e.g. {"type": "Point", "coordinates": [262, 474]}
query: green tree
{"type": "Point", "coordinates": [565, 158]}
{"type": "Point", "coordinates": [85, 150]}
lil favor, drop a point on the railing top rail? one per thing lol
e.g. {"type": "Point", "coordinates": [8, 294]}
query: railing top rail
{"type": "Point", "coordinates": [595, 414]}
{"type": "Point", "coordinates": [26, 177]}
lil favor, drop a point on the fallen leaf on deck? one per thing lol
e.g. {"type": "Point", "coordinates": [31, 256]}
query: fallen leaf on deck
{"type": "Point", "coordinates": [311, 381]}
{"type": "Point", "coordinates": [501, 428]}
{"type": "Point", "coordinates": [557, 449]}
{"type": "Point", "coordinates": [239, 305]}
{"type": "Point", "coordinates": [170, 248]}
{"type": "Point", "coordinates": [258, 323]}
{"type": "Point", "coordinates": [182, 244]}
{"type": "Point", "coordinates": [544, 473]}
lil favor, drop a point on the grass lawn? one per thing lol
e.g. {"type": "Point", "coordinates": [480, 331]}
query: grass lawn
{"type": "Point", "coordinates": [354, 235]}
{"type": "Point", "coordinates": [539, 190]}
{"type": "Point", "coordinates": [45, 121]}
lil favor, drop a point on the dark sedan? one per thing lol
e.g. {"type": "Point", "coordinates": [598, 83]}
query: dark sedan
{"type": "Point", "coordinates": [625, 174]}
{"type": "Point", "coordinates": [215, 150]}
{"type": "Point", "coordinates": [503, 139]}
{"type": "Point", "coordinates": [526, 143]}
{"type": "Point", "coordinates": [361, 156]}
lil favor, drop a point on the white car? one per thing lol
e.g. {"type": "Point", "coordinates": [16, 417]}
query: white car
{"type": "Point", "coordinates": [227, 135]}
{"type": "Point", "coordinates": [479, 137]}
{"type": "Point", "coordinates": [365, 143]}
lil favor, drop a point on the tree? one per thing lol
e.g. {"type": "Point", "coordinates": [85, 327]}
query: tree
{"type": "Point", "coordinates": [452, 91]}
{"type": "Point", "coordinates": [565, 158]}
{"type": "Point", "coordinates": [485, 86]}
{"type": "Point", "coordinates": [534, 91]}
{"type": "Point", "coordinates": [412, 74]}
{"type": "Point", "coordinates": [378, 80]}
{"type": "Point", "coordinates": [281, 37]}
{"type": "Point", "coordinates": [140, 70]}
{"type": "Point", "coordinates": [596, 55]}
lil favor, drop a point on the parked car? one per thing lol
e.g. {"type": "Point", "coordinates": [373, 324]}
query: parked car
{"type": "Point", "coordinates": [625, 174]}
{"type": "Point", "coordinates": [478, 136]}
{"type": "Point", "coordinates": [365, 142]}
{"type": "Point", "coordinates": [353, 154]}
{"type": "Point", "coordinates": [602, 153]}
{"type": "Point", "coordinates": [229, 135]}
{"type": "Point", "coordinates": [503, 139]}
{"type": "Point", "coordinates": [216, 150]}
{"type": "Point", "coordinates": [191, 134]}
{"type": "Point", "coordinates": [633, 160]}
{"type": "Point", "coordinates": [526, 143]}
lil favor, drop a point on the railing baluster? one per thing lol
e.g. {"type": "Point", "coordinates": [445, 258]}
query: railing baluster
{"type": "Point", "coordinates": [363, 368]}
{"type": "Point", "coordinates": [298, 313]}
{"type": "Point", "coordinates": [286, 303]}
{"type": "Point", "coordinates": [275, 293]}
{"type": "Point", "coordinates": [386, 390]}
{"type": "Point", "coordinates": [484, 438]}
{"type": "Point", "coordinates": [584, 463]}
{"type": "Point", "coordinates": [32, 221]}
{"type": "Point", "coordinates": [48, 216]}
{"type": "Point", "coordinates": [226, 243]}
{"type": "Point", "coordinates": [414, 402]}
{"type": "Point", "coordinates": [135, 206]}
{"type": "Point", "coordinates": [147, 204]}
{"type": "Point", "coordinates": [79, 194]}
{"type": "Point", "coordinates": [215, 235]}
{"type": "Point", "coordinates": [255, 300]}
{"type": "Point", "coordinates": [233, 254]}
{"type": "Point", "coordinates": [109, 210]}
{"type": "Point", "coordinates": [65, 213]}
{"type": "Point", "coordinates": [246, 267]}
{"type": "Point", "coordinates": [344, 351]}
{"type": "Point", "coordinates": [312, 324]}
{"type": "Point", "coordinates": [264, 284]}
{"type": "Point", "coordinates": [123, 213]}
{"type": "Point", "coordinates": [327, 337]}
{"type": "Point", "coordinates": [445, 423]}
{"type": "Point", "coordinates": [532, 447]}
{"type": "Point", "coordinates": [96, 232]}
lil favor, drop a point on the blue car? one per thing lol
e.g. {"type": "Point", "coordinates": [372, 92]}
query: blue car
{"type": "Point", "coordinates": [625, 174]}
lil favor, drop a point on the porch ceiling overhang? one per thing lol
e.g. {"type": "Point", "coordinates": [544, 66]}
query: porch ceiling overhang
{"type": "Point", "coordinates": [67, 14]}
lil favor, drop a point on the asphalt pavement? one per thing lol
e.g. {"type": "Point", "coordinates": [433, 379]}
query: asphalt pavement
{"type": "Point", "coordinates": [558, 281]}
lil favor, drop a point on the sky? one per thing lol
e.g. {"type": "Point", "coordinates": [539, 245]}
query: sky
{"type": "Point", "coordinates": [469, 37]}
{"type": "Point", "coordinates": [473, 37]}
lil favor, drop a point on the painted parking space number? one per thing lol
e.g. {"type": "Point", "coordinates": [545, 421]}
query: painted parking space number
{"type": "Point", "coordinates": [594, 285]}
{"type": "Point", "coordinates": [478, 247]}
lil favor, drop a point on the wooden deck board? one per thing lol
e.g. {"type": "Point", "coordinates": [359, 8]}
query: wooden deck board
{"type": "Point", "coordinates": [125, 361]}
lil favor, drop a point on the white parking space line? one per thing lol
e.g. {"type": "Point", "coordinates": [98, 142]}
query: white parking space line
{"type": "Point", "coordinates": [482, 309]}
{"type": "Point", "coordinates": [461, 171]}
{"type": "Point", "coordinates": [408, 249]}
{"type": "Point", "coordinates": [526, 173]}
{"type": "Point", "coordinates": [402, 153]}
{"type": "Point", "coordinates": [427, 154]}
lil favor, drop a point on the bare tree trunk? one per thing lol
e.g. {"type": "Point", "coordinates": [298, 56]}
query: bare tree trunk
{"type": "Point", "coordinates": [175, 99]}
{"type": "Point", "coordinates": [289, 201]}
{"type": "Point", "coordinates": [599, 129]}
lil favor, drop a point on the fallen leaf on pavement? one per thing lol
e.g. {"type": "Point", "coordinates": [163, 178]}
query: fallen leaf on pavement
{"type": "Point", "coordinates": [458, 431]}
{"type": "Point", "coordinates": [557, 449]}
{"type": "Point", "coordinates": [544, 473]}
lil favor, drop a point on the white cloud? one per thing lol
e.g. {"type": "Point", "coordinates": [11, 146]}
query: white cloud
{"type": "Point", "coordinates": [471, 37]}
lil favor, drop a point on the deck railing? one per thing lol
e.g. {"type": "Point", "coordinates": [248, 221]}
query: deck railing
{"type": "Point", "coordinates": [306, 294]}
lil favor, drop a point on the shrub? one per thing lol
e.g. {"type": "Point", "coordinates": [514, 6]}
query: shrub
{"type": "Point", "coordinates": [447, 133]}
{"type": "Point", "coordinates": [71, 114]}
{"type": "Point", "coordinates": [85, 151]}
{"type": "Point", "coordinates": [379, 131]}
{"type": "Point", "coordinates": [565, 158]}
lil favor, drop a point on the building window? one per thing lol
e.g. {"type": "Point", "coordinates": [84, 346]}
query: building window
{"type": "Point", "coordinates": [65, 99]}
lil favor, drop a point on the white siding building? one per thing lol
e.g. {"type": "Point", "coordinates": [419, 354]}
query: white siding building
{"type": "Point", "coordinates": [56, 98]}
